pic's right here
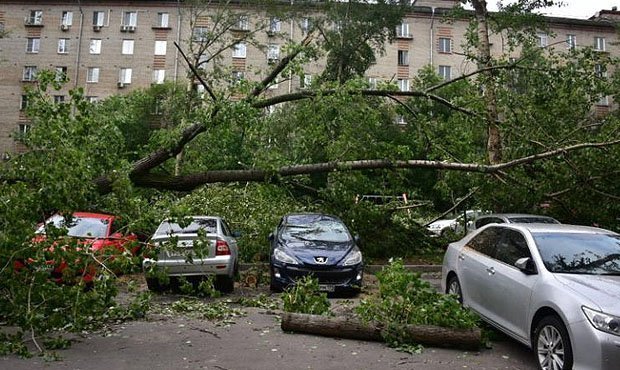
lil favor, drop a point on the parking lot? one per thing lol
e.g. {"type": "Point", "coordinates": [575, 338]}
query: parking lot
{"type": "Point", "coordinates": [255, 341]}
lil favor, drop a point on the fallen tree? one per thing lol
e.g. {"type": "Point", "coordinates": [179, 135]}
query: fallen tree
{"type": "Point", "coordinates": [351, 328]}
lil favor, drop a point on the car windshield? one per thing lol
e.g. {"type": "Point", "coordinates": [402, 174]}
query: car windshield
{"type": "Point", "coordinates": [533, 220]}
{"type": "Point", "coordinates": [207, 225]}
{"type": "Point", "coordinates": [317, 229]}
{"type": "Point", "coordinates": [577, 253]}
{"type": "Point", "coordinates": [80, 227]}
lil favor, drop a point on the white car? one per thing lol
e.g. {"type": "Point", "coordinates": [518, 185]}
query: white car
{"type": "Point", "coordinates": [200, 246]}
{"type": "Point", "coordinates": [455, 224]}
{"type": "Point", "coordinates": [553, 287]}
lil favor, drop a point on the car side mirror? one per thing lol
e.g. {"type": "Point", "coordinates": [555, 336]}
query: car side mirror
{"type": "Point", "coordinates": [357, 239]}
{"type": "Point", "coordinates": [236, 234]}
{"type": "Point", "coordinates": [526, 265]}
{"type": "Point", "coordinates": [116, 236]}
{"type": "Point", "coordinates": [270, 237]}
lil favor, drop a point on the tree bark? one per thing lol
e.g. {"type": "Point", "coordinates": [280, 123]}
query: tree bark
{"type": "Point", "coordinates": [494, 140]}
{"type": "Point", "coordinates": [350, 328]}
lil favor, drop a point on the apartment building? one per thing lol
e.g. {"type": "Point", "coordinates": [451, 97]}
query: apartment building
{"type": "Point", "coordinates": [114, 47]}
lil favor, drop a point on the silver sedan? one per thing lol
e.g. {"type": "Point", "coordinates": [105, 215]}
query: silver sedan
{"type": "Point", "coordinates": [196, 246]}
{"type": "Point", "coordinates": [554, 288]}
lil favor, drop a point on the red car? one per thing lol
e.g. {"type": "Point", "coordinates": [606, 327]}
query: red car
{"type": "Point", "coordinates": [97, 231]}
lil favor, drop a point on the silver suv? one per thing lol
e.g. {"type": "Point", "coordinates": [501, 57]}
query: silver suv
{"type": "Point", "coordinates": [196, 246]}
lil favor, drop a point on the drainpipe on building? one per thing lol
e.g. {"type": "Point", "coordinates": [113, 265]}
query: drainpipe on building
{"type": "Point", "coordinates": [79, 47]}
{"type": "Point", "coordinates": [176, 53]}
{"type": "Point", "coordinates": [432, 36]}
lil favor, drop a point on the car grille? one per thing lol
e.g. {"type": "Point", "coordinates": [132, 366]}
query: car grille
{"type": "Point", "coordinates": [334, 276]}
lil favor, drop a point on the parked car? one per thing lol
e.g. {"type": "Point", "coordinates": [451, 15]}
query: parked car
{"type": "Point", "coordinates": [197, 246]}
{"type": "Point", "coordinates": [98, 232]}
{"type": "Point", "coordinates": [458, 223]}
{"type": "Point", "coordinates": [512, 218]}
{"type": "Point", "coordinates": [315, 244]}
{"type": "Point", "coordinates": [552, 287]}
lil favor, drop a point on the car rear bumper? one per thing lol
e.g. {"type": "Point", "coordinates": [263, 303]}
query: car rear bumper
{"type": "Point", "coordinates": [220, 265]}
{"type": "Point", "coordinates": [330, 279]}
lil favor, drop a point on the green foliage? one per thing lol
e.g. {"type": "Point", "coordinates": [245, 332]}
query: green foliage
{"type": "Point", "coordinates": [405, 299]}
{"type": "Point", "coordinates": [221, 312]}
{"type": "Point", "coordinates": [304, 297]}
{"type": "Point", "coordinates": [261, 301]}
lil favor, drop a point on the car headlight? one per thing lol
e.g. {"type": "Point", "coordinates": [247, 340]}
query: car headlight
{"type": "Point", "coordinates": [354, 258]}
{"type": "Point", "coordinates": [282, 256]}
{"type": "Point", "coordinates": [602, 321]}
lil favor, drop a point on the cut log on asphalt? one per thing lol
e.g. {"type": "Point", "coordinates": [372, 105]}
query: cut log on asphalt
{"type": "Point", "coordinates": [350, 328]}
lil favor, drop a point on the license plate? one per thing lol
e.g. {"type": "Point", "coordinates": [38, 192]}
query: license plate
{"type": "Point", "coordinates": [327, 288]}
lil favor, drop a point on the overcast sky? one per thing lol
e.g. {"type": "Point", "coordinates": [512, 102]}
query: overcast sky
{"type": "Point", "coordinates": [573, 8]}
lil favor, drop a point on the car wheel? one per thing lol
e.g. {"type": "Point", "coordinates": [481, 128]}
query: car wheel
{"type": "Point", "coordinates": [552, 345]}
{"type": "Point", "coordinates": [154, 285]}
{"type": "Point", "coordinates": [225, 283]}
{"type": "Point", "coordinates": [454, 288]}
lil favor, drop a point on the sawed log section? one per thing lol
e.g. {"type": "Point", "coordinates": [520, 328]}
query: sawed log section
{"type": "Point", "coordinates": [350, 328]}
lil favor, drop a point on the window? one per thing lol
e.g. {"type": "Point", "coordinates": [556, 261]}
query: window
{"type": "Point", "coordinates": [273, 52]}
{"type": "Point", "coordinates": [243, 23]}
{"type": "Point", "coordinates": [23, 129]}
{"type": "Point", "coordinates": [160, 47]}
{"type": "Point", "coordinates": [239, 50]}
{"type": "Point", "coordinates": [445, 72]}
{"type": "Point", "coordinates": [445, 45]}
{"type": "Point", "coordinates": [403, 58]}
{"type": "Point", "coordinates": [486, 241]}
{"type": "Point", "coordinates": [237, 76]}
{"type": "Point", "coordinates": [200, 34]}
{"type": "Point", "coordinates": [403, 84]}
{"type": "Point", "coordinates": [162, 20]}
{"type": "Point", "coordinates": [372, 83]}
{"type": "Point", "coordinates": [512, 247]}
{"type": "Point", "coordinates": [603, 101]}
{"type": "Point", "coordinates": [305, 25]}
{"type": "Point", "coordinates": [124, 76]}
{"type": "Point", "coordinates": [306, 81]}
{"type": "Point", "coordinates": [274, 24]}
{"type": "Point", "coordinates": [30, 73]}
{"type": "Point", "coordinates": [98, 18]}
{"type": "Point", "coordinates": [58, 99]}
{"type": "Point", "coordinates": [24, 102]}
{"type": "Point", "coordinates": [127, 48]}
{"type": "Point", "coordinates": [92, 75]}
{"type": "Point", "coordinates": [130, 19]}
{"type": "Point", "coordinates": [61, 73]}
{"type": "Point", "coordinates": [33, 44]}
{"type": "Point", "coordinates": [543, 40]}
{"type": "Point", "coordinates": [402, 31]}
{"type": "Point", "coordinates": [63, 46]}
{"type": "Point", "coordinates": [571, 41]}
{"type": "Point", "coordinates": [599, 43]}
{"type": "Point", "coordinates": [67, 19]}
{"type": "Point", "coordinates": [35, 18]}
{"type": "Point", "coordinates": [159, 75]}
{"type": "Point", "coordinates": [95, 46]}
{"type": "Point", "coordinates": [600, 70]}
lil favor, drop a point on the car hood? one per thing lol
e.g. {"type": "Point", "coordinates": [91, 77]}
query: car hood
{"type": "Point", "coordinates": [312, 252]}
{"type": "Point", "coordinates": [600, 290]}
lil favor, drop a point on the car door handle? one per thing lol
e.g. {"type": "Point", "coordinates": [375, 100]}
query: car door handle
{"type": "Point", "coordinates": [491, 270]}
{"type": "Point", "coordinates": [461, 257]}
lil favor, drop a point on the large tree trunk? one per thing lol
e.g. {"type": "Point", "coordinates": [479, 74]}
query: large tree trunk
{"type": "Point", "coordinates": [494, 140]}
{"type": "Point", "coordinates": [344, 327]}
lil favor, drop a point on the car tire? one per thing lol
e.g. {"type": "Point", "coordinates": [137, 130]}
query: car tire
{"type": "Point", "coordinates": [454, 287]}
{"type": "Point", "coordinates": [225, 283]}
{"type": "Point", "coordinates": [154, 285]}
{"type": "Point", "coordinates": [551, 345]}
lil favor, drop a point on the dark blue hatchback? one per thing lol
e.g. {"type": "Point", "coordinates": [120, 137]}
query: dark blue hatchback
{"type": "Point", "coordinates": [315, 244]}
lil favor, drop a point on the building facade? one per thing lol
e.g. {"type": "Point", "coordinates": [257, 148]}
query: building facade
{"type": "Point", "coordinates": [113, 47]}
